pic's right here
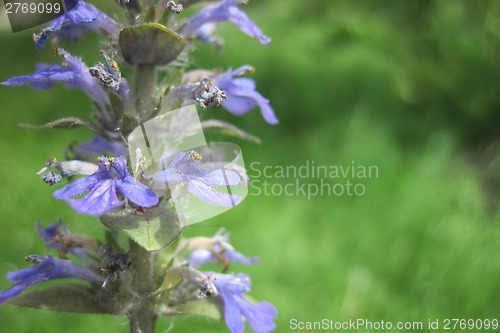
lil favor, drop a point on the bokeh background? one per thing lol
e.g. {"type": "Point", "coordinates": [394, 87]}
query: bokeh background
{"type": "Point", "coordinates": [411, 87]}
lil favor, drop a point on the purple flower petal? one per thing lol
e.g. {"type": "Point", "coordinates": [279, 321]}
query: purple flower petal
{"type": "Point", "coordinates": [235, 285]}
{"type": "Point", "coordinates": [45, 269]}
{"type": "Point", "coordinates": [101, 199]}
{"type": "Point", "coordinates": [260, 316]}
{"type": "Point", "coordinates": [169, 176]}
{"type": "Point", "coordinates": [226, 10]}
{"type": "Point", "coordinates": [241, 95]}
{"type": "Point", "coordinates": [101, 145]}
{"type": "Point", "coordinates": [241, 20]}
{"type": "Point", "coordinates": [111, 176]}
{"type": "Point", "coordinates": [78, 186]}
{"type": "Point", "coordinates": [222, 177]}
{"type": "Point", "coordinates": [238, 105]}
{"type": "Point", "coordinates": [212, 196]}
{"type": "Point", "coordinates": [51, 28]}
{"type": "Point", "coordinates": [186, 167]}
{"type": "Point", "coordinates": [74, 75]}
{"type": "Point", "coordinates": [239, 258]}
{"type": "Point", "coordinates": [244, 83]}
{"type": "Point", "coordinates": [82, 13]}
{"type": "Point", "coordinates": [232, 314]}
{"type": "Point", "coordinates": [136, 192]}
{"type": "Point", "coordinates": [200, 256]}
{"type": "Point", "coordinates": [72, 25]}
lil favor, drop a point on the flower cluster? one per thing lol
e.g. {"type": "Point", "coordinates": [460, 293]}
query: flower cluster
{"type": "Point", "coordinates": [230, 288]}
{"type": "Point", "coordinates": [48, 268]}
{"type": "Point", "coordinates": [101, 177]}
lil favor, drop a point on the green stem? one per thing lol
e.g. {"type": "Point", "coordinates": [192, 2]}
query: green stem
{"type": "Point", "coordinates": [142, 322]}
{"type": "Point", "coordinates": [145, 86]}
{"type": "Point", "coordinates": [143, 317]}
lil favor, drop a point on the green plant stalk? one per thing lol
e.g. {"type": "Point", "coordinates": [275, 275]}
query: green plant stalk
{"type": "Point", "coordinates": [145, 86]}
{"type": "Point", "coordinates": [142, 317]}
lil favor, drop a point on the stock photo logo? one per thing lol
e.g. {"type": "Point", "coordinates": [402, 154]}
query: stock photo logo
{"type": "Point", "coordinates": [203, 179]}
{"type": "Point", "coordinates": [26, 14]}
{"type": "Point", "coordinates": [311, 179]}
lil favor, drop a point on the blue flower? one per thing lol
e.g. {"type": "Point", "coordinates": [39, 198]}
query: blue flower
{"type": "Point", "coordinates": [83, 17]}
{"type": "Point", "coordinates": [186, 168]}
{"type": "Point", "coordinates": [46, 269]}
{"type": "Point", "coordinates": [230, 288]}
{"type": "Point", "coordinates": [216, 249]}
{"type": "Point", "coordinates": [111, 176]}
{"type": "Point", "coordinates": [73, 74]}
{"type": "Point", "coordinates": [241, 95]}
{"type": "Point", "coordinates": [226, 10]}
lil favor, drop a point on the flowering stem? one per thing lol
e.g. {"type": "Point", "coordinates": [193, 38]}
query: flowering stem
{"type": "Point", "coordinates": [145, 85]}
{"type": "Point", "coordinates": [142, 318]}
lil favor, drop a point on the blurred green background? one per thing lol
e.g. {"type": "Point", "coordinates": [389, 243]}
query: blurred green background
{"type": "Point", "coordinates": [411, 87]}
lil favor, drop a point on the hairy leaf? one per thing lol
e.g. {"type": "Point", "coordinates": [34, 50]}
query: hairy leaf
{"type": "Point", "coordinates": [228, 129]}
{"type": "Point", "coordinates": [153, 228]}
{"type": "Point", "coordinates": [67, 298]}
{"type": "Point", "coordinates": [208, 307]}
{"type": "Point", "coordinates": [67, 122]}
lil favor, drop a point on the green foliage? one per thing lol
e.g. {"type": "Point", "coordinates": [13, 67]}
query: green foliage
{"type": "Point", "coordinates": [153, 228]}
{"type": "Point", "coordinates": [407, 86]}
{"type": "Point", "coordinates": [67, 297]}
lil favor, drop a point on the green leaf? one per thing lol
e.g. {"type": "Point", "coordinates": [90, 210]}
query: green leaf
{"type": "Point", "coordinates": [150, 43]}
{"type": "Point", "coordinates": [67, 122]}
{"type": "Point", "coordinates": [208, 307]}
{"type": "Point", "coordinates": [223, 127]}
{"type": "Point", "coordinates": [67, 298]}
{"type": "Point", "coordinates": [153, 228]}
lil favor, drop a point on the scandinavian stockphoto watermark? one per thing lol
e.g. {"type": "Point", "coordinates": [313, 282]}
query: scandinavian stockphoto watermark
{"type": "Point", "coordinates": [202, 179]}
{"type": "Point", "coordinates": [363, 324]}
{"type": "Point", "coordinates": [311, 179]}
{"type": "Point", "coordinates": [26, 14]}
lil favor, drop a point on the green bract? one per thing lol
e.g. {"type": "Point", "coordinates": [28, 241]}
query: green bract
{"type": "Point", "coordinates": [153, 228]}
{"type": "Point", "coordinates": [150, 43]}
